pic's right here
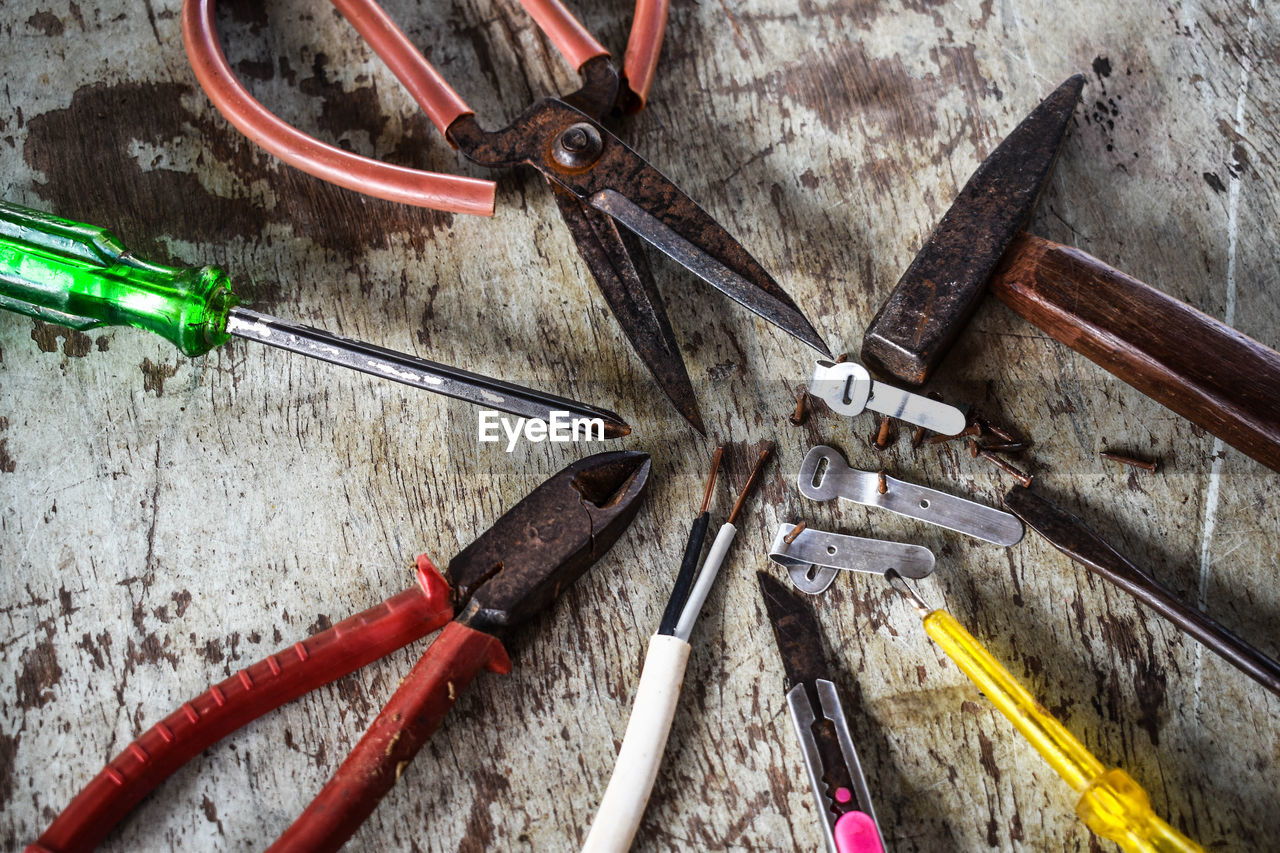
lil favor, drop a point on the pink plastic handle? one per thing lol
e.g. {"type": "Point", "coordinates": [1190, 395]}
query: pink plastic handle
{"type": "Point", "coordinates": [409, 718]}
{"type": "Point", "coordinates": [453, 193]}
{"type": "Point", "coordinates": [856, 832]}
{"type": "Point", "coordinates": [245, 696]}
{"type": "Point", "coordinates": [644, 44]}
{"type": "Point", "coordinates": [566, 32]}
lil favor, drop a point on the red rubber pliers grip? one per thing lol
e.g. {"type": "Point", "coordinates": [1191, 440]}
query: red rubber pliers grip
{"type": "Point", "coordinates": [405, 723]}
{"type": "Point", "coordinates": [242, 698]}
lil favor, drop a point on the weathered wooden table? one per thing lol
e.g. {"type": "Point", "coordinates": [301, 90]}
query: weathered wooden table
{"type": "Point", "coordinates": [167, 521]}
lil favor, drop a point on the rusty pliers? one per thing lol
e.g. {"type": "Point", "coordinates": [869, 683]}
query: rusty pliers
{"type": "Point", "coordinates": [512, 571]}
{"type": "Point", "coordinates": [599, 183]}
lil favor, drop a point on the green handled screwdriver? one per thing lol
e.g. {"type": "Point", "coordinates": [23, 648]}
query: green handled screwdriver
{"type": "Point", "coordinates": [80, 276]}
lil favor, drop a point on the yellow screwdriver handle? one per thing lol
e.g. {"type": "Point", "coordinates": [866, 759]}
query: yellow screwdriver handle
{"type": "Point", "coordinates": [1112, 804]}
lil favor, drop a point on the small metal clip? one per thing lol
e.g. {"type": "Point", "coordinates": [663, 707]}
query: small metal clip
{"type": "Point", "coordinates": [825, 474]}
{"type": "Point", "coordinates": [848, 389]}
{"type": "Point", "coordinates": [803, 717]}
{"type": "Point", "coordinates": [813, 557]}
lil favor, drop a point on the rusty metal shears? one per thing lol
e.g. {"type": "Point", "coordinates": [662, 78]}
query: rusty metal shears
{"type": "Point", "coordinates": [597, 180]}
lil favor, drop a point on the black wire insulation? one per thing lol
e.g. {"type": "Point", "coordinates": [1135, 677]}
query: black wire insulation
{"type": "Point", "coordinates": [684, 580]}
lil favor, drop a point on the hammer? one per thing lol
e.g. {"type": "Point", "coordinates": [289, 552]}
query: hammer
{"type": "Point", "coordinates": [1219, 379]}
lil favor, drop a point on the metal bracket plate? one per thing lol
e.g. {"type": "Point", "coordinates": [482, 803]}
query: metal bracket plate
{"type": "Point", "coordinates": [814, 557]}
{"type": "Point", "coordinates": [825, 474]}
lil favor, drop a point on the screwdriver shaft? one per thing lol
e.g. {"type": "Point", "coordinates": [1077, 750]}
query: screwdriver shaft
{"type": "Point", "coordinates": [410, 370]}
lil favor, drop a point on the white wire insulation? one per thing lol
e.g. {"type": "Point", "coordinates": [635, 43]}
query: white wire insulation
{"type": "Point", "coordinates": [710, 568]}
{"type": "Point", "coordinates": [625, 799]}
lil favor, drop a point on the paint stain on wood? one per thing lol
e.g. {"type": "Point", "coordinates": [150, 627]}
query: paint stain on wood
{"type": "Point", "coordinates": [47, 23]}
{"type": "Point", "coordinates": [97, 177]}
{"type": "Point", "coordinates": [490, 788]}
{"type": "Point", "coordinates": [154, 375]}
{"type": "Point", "coordinates": [74, 344]}
{"type": "Point", "coordinates": [8, 751]}
{"type": "Point", "coordinates": [40, 674]}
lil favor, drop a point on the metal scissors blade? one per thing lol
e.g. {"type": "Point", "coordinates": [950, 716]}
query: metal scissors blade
{"type": "Point", "coordinates": [621, 183]}
{"type": "Point", "coordinates": [644, 200]}
{"type": "Point", "coordinates": [622, 272]}
{"type": "Point", "coordinates": [576, 153]}
{"type": "Point", "coordinates": [573, 150]}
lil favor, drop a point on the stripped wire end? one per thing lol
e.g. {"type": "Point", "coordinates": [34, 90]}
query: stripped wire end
{"type": "Point", "coordinates": [716, 554]}
{"type": "Point", "coordinates": [692, 552]}
{"type": "Point", "coordinates": [711, 478]}
{"type": "Point", "coordinates": [751, 481]}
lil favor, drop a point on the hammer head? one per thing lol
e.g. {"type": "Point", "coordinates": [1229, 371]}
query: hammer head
{"type": "Point", "coordinates": [936, 295]}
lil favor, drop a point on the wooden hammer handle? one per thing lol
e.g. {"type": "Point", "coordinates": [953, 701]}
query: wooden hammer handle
{"type": "Point", "coordinates": [1209, 373]}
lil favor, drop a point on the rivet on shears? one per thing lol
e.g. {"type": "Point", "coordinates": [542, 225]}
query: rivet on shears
{"type": "Point", "coordinates": [577, 146]}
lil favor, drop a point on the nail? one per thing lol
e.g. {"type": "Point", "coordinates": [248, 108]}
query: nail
{"type": "Point", "coordinates": [973, 448]}
{"type": "Point", "coordinates": [884, 483]}
{"type": "Point", "coordinates": [882, 437]}
{"type": "Point", "coordinates": [801, 413]}
{"type": "Point", "coordinates": [1129, 461]}
{"type": "Point", "coordinates": [841, 358]}
{"type": "Point", "coordinates": [1002, 433]}
{"type": "Point", "coordinates": [917, 436]}
{"type": "Point", "coordinates": [795, 531]}
{"type": "Point", "coordinates": [972, 429]}
{"type": "Point", "coordinates": [1023, 478]}
{"type": "Point", "coordinates": [1007, 447]}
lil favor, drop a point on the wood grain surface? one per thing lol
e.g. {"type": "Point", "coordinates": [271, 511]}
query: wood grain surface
{"type": "Point", "coordinates": [166, 521]}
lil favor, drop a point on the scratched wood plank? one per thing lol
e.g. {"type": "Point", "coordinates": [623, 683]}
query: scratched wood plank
{"type": "Point", "coordinates": [167, 521]}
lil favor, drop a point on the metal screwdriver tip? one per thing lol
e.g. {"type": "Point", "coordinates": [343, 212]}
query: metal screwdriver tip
{"type": "Point", "coordinates": [900, 586]}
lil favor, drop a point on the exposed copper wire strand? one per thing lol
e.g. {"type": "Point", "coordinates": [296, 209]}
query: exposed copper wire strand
{"type": "Point", "coordinates": [751, 481]}
{"type": "Point", "coordinates": [711, 478]}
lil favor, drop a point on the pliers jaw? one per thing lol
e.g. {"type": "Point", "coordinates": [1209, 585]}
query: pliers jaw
{"type": "Point", "coordinates": [546, 541]}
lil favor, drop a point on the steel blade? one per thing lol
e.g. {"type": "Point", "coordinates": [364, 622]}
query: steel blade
{"type": "Point", "coordinates": [796, 631]}
{"type": "Point", "coordinates": [672, 222]}
{"type": "Point", "coordinates": [938, 292]}
{"type": "Point", "coordinates": [795, 628]}
{"type": "Point", "coordinates": [575, 151]}
{"type": "Point", "coordinates": [621, 270]}
{"type": "Point", "coordinates": [1072, 537]}
{"type": "Point", "coordinates": [410, 370]}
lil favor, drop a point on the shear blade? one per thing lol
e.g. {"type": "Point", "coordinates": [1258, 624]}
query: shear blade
{"type": "Point", "coordinates": [622, 273]}
{"type": "Point", "coordinates": [621, 183]}
{"type": "Point", "coordinates": [672, 222]}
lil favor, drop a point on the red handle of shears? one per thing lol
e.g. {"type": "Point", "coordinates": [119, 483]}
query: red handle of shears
{"type": "Point", "coordinates": [643, 46]}
{"type": "Point", "coordinates": [242, 698]}
{"type": "Point", "coordinates": [372, 177]}
{"type": "Point", "coordinates": [566, 32]}
{"type": "Point", "coordinates": [436, 97]}
{"type": "Point", "coordinates": [394, 738]}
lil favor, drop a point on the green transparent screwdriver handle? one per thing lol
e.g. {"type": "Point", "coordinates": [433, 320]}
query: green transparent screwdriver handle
{"type": "Point", "coordinates": [80, 276]}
